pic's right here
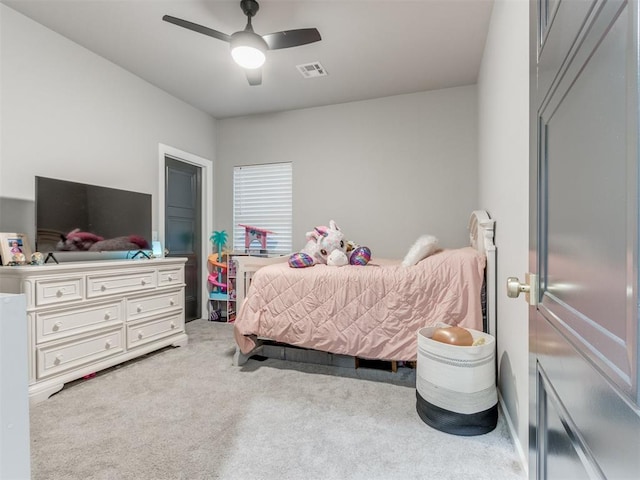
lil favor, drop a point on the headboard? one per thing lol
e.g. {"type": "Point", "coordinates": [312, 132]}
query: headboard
{"type": "Point", "coordinates": [481, 236]}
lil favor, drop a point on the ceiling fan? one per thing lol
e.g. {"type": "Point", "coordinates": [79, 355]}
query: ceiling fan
{"type": "Point", "coordinates": [247, 47]}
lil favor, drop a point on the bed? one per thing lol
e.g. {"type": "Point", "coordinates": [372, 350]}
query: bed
{"type": "Point", "coordinates": [372, 312]}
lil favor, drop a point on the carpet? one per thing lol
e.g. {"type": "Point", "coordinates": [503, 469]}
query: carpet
{"type": "Point", "coordinates": [188, 413]}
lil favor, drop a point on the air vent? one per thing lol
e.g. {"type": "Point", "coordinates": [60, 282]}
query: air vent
{"type": "Point", "coordinates": [310, 70]}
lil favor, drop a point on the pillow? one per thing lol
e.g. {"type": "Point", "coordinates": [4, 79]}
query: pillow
{"type": "Point", "coordinates": [425, 245]}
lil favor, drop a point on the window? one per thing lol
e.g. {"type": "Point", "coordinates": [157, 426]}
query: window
{"type": "Point", "coordinates": [262, 198]}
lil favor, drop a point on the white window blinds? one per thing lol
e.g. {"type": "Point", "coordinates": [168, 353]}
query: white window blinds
{"type": "Point", "coordinates": [262, 198]}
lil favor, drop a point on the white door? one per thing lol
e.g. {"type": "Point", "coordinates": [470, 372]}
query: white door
{"type": "Point", "coordinates": [583, 333]}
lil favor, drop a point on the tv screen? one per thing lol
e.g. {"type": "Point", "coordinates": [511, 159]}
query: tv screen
{"type": "Point", "coordinates": [104, 219]}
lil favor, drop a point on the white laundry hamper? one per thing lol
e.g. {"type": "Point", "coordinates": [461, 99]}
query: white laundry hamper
{"type": "Point", "coordinates": [456, 386]}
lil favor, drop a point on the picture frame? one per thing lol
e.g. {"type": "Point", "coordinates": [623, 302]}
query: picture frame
{"type": "Point", "coordinates": [13, 243]}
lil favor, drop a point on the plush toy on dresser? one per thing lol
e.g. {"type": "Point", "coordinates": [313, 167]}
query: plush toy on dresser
{"type": "Point", "coordinates": [327, 245]}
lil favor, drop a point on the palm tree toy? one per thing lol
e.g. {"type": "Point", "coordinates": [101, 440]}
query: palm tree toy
{"type": "Point", "coordinates": [219, 239]}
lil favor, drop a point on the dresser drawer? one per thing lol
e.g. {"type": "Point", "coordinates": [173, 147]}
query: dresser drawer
{"type": "Point", "coordinates": [65, 322]}
{"type": "Point", "coordinates": [170, 276]}
{"type": "Point", "coordinates": [59, 290]}
{"type": "Point", "coordinates": [122, 282]}
{"type": "Point", "coordinates": [146, 332]}
{"type": "Point", "coordinates": [57, 358]}
{"type": "Point", "coordinates": [144, 306]}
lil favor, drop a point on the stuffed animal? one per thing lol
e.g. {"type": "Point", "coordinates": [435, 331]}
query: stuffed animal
{"type": "Point", "coordinates": [324, 245]}
{"type": "Point", "coordinates": [327, 245]}
{"type": "Point", "coordinates": [77, 240]}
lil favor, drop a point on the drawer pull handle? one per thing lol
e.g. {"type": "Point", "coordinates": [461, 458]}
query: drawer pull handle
{"type": "Point", "coordinates": [170, 278]}
{"type": "Point", "coordinates": [140, 335]}
{"type": "Point", "coordinates": [172, 301]}
{"type": "Point", "coordinates": [144, 282]}
{"type": "Point", "coordinates": [139, 308]}
{"type": "Point", "coordinates": [59, 293]}
{"type": "Point", "coordinates": [103, 287]}
{"type": "Point", "coordinates": [107, 345]}
{"type": "Point", "coordinates": [57, 326]}
{"type": "Point", "coordinates": [107, 315]}
{"type": "Point", "coordinates": [58, 359]}
{"type": "Point", "coordinates": [173, 325]}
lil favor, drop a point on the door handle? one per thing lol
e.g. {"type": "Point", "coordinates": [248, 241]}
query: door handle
{"type": "Point", "coordinates": [529, 288]}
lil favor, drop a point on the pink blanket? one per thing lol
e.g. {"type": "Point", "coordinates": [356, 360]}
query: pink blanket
{"type": "Point", "coordinates": [370, 312]}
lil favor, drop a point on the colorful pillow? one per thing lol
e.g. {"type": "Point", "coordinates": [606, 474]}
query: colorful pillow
{"type": "Point", "coordinates": [360, 256]}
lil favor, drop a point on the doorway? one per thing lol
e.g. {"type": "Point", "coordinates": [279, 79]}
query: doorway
{"type": "Point", "coordinates": [183, 226]}
{"type": "Point", "coordinates": [185, 206]}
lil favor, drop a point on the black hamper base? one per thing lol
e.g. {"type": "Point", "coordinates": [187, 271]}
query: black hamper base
{"type": "Point", "coordinates": [457, 423]}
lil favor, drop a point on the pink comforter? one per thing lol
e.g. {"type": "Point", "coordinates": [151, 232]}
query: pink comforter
{"type": "Point", "coordinates": [371, 312]}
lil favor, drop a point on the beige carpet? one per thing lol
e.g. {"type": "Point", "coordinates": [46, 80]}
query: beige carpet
{"type": "Point", "coordinates": [187, 413]}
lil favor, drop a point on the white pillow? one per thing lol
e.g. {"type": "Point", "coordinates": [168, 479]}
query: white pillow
{"type": "Point", "coordinates": [425, 245]}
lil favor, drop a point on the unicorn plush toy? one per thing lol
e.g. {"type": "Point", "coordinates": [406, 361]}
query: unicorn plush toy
{"type": "Point", "coordinates": [327, 245]}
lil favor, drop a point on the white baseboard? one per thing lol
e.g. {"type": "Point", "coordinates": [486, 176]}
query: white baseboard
{"type": "Point", "coordinates": [524, 459]}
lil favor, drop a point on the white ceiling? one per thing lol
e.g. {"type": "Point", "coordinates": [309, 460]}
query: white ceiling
{"type": "Point", "coordinates": [369, 48]}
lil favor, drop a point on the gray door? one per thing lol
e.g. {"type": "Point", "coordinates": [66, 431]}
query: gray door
{"type": "Point", "coordinates": [583, 333]}
{"type": "Point", "coordinates": [183, 226]}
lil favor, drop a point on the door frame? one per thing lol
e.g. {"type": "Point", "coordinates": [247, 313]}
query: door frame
{"type": "Point", "coordinates": [206, 208]}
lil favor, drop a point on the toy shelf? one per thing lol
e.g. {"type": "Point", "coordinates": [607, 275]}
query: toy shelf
{"type": "Point", "coordinates": [217, 280]}
{"type": "Point", "coordinates": [222, 286]}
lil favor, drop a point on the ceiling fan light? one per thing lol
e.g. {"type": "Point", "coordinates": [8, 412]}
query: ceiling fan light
{"type": "Point", "coordinates": [248, 57]}
{"type": "Point", "coordinates": [248, 49]}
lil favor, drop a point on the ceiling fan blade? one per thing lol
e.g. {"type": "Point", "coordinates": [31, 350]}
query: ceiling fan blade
{"type": "Point", "coordinates": [197, 28]}
{"type": "Point", "coordinates": [254, 76]}
{"type": "Point", "coordinates": [292, 38]}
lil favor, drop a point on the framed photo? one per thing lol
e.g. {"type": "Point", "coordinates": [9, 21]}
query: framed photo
{"type": "Point", "coordinates": [14, 244]}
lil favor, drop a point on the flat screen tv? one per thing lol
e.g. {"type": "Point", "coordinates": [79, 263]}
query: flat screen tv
{"type": "Point", "coordinates": [104, 219]}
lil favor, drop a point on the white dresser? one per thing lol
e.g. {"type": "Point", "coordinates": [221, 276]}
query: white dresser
{"type": "Point", "coordinates": [87, 316]}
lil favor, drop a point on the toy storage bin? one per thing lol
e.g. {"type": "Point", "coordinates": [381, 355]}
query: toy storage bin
{"type": "Point", "coordinates": [456, 386]}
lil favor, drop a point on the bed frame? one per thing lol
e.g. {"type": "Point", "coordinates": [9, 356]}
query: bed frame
{"type": "Point", "coordinates": [481, 236]}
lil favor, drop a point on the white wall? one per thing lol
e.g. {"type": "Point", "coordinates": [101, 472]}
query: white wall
{"type": "Point", "coordinates": [68, 113]}
{"type": "Point", "coordinates": [503, 105]}
{"type": "Point", "coordinates": [386, 170]}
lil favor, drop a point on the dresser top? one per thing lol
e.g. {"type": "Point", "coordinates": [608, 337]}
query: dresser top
{"type": "Point", "coordinates": [98, 265]}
